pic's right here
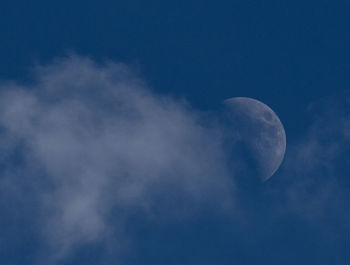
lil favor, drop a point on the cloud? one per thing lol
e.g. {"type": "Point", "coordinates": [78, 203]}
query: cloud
{"type": "Point", "coordinates": [85, 147]}
{"type": "Point", "coordinates": [317, 168]}
{"type": "Point", "coordinates": [88, 144]}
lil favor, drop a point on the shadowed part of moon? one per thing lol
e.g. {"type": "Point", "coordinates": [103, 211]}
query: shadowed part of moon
{"type": "Point", "coordinates": [256, 129]}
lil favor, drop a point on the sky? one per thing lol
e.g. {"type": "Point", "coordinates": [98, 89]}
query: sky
{"type": "Point", "coordinates": [113, 149]}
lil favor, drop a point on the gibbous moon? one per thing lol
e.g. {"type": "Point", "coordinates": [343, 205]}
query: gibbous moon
{"type": "Point", "coordinates": [258, 129]}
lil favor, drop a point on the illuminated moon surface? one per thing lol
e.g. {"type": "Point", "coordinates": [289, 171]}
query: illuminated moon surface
{"type": "Point", "coordinates": [259, 129]}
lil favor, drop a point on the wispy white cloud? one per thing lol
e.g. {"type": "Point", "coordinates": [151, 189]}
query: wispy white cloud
{"type": "Point", "coordinates": [85, 145]}
{"type": "Point", "coordinates": [92, 142]}
{"type": "Point", "coordinates": [317, 165]}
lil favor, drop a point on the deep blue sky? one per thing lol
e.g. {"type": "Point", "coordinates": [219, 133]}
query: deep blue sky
{"type": "Point", "coordinates": [288, 54]}
{"type": "Point", "coordinates": [284, 53]}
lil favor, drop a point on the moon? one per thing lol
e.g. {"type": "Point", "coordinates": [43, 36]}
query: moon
{"type": "Point", "coordinates": [257, 133]}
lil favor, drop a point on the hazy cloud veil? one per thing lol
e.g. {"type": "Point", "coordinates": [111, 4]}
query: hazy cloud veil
{"type": "Point", "coordinates": [90, 140]}
{"type": "Point", "coordinates": [317, 164]}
